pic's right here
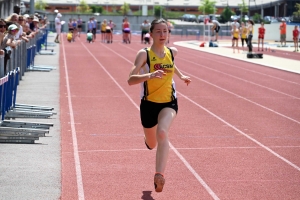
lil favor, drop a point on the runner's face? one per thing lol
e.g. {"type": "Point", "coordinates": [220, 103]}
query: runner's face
{"type": "Point", "coordinates": [160, 33]}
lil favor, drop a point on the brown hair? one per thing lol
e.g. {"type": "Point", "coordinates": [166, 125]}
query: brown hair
{"type": "Point", "coordinates": [157, 21]}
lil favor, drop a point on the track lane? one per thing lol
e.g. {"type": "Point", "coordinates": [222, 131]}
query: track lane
{"type": "Point", "coordinates": [111, 138]}
{"type": "Point", "coordinates": [174, 134]}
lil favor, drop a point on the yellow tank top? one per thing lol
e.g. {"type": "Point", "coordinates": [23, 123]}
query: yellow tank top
{"type": "Point", "coordinates": [236, 33]}
{"type": "Point", "coordinates": [244, 32]}
{"type": "Point", "coordinates": [69, 36]}
{"type": "Point", "coordinates": [159, 90]}
{"type": "Point", "coordinates": [103, 26]}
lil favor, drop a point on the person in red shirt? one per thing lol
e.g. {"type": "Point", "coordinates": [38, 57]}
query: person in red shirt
{"type": "Point", "coordinates": [296, 38]}
{"type": "Point", "coordinates": [261, 36]}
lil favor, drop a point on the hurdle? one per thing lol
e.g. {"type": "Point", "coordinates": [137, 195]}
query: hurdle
{"type": "Point", "coordinates": [12, 111]}
{"type": "Point", "coordinates": [33, 49]}
{"type": "Point", "coordinates": [177, 31]}
{"type": "Point", "coordinates": [42, 42]}
{"type": "Point", "coordinates": [14, 131]}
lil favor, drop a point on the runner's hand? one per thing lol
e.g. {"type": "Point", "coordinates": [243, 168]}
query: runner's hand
{"type": "Point", "coordinates": [157, 74]}
{"type": "Point", "coordinates": [186, 79]}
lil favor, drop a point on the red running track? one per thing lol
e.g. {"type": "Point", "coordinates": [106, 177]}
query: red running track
{"type": "Point", "coordinates": [236, 135]}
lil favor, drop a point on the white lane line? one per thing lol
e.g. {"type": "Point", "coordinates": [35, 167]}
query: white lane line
{"type": "Point", "coordinates": [208, 189]}
{"type": "Point", "coordinates": [242, 133]}
{"type": "Point", "coordinates": [192, 149]}
{"type": "Point", "coordinates": [234, 66]}
{"type": "Point", "coordinates": [73, 130]}
{"type": "Point", "coordinates": [241, 97]}
{"type": "Point", "coordinates": [244, 80]}
{"type": "Point", "coordinates": [196, 77]}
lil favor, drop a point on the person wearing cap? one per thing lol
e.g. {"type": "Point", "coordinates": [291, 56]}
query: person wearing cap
{"type": "Point", "coordinates": [57, 27]}
{"type": "Point", "coordinates": [35, 22]}
{"type": "Point", "coordinates": [30, 22]}
{"type": "Point", "coordinates": [235, 23]}
{"type": "Point", "coordinates": [9, 42]}
{"type": "Point", "coordinates": [282, 29]}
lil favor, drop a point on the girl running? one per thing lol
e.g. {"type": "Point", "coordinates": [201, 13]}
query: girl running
{"type": "Point", "coordinates": [154, 69]}
{"type": "Point", "coordinates": [261, 36]}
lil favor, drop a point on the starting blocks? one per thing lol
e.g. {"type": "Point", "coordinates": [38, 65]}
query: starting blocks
{"type": "Point", "coordinates": [254, 55]}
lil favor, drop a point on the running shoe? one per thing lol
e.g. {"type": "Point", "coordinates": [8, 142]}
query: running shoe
{"type": "Point", "coordinates": [159, 182]}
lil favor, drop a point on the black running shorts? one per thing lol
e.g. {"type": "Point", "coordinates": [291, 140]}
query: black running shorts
{"type": "Point", "coordinates": [149, 111]}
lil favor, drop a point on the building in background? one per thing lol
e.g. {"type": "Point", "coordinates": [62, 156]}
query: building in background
{"type": "Point", "coordinates": [274, 8]}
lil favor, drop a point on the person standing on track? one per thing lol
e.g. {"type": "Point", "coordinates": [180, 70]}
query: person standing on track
{"type": "Point", "coordinates": [57, 27]}
{"type": "Point", "coordinates": [170, 27]}
{"type": "Point", "coordinates": [154, 69]}
{"type": "Point", "coordinates": [282, 29]}
{"type": "Point", "coordinates": [103, 30]}
{"type": "Point", "coordinates": [216, 28]}
{"type": "Point", "coordinates": [112, 25]}
{"type": "Point", "coordinates": [126, 31]}
{"type": "Point", "coordinates": [261, 36]}
{"type": "Point", "coordinates": [243, 34]}
{"type": "Point", "coordinates": [235, 38]}
{"type": "Point", "coordinates": [250, 35]}
{"type": "Point", "coordinates": [79, 25]}
{"type": "Point", "coordinates": [296, 38]}
{"type": "Point", "coordinates": [145, 29]}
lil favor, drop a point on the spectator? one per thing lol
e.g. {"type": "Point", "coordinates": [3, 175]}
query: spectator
{"type": "Point", "coordinates": [94, 30]}
{"type": "Point", "coordinates": [295, 38]}
{"type": "Point", "coordinates": [282, 29]}
{"type": "Point", "coordinates": [235, 23]}
{"type": "Point", "coordinates": [126, 31]}
{"type": "Point", "coordinates": [170, 27]}
{"type": "Point", "coordinates": [145, 27]}
{"type": "Point", "coordinates": [235, 38]}
{"type": "Point", "coordinates": [29, 21]}
{"type": "Point", "coordinates": [16, 9]}
{"type": "Point", "coordinates": [250, 35]}
{"type": "Point", "coordinates": [8, 43]}
{"type": "Point", "coordinates": [2, 34]}
{"type": "Point", "coordinates": [112, 26]}
{"type": "Point", "coordinates": [103, 30]}
{"type": "Point", "coordinates": [57, 27]}
{"type": "Point", "coordinates": [216, 28]}
{"type": "Point", "coordinates": [35, 22]}
{"type": "Point", "coordinates": [244, 31]}
{"type": "Point", "coordinates": [261, 36]}
{"type": "Point", "coordinates": [21, 31]}
{"type": "Point", "coordinates": [79, 25]}
{"type": "Point", "coordinates": [89, 36]}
